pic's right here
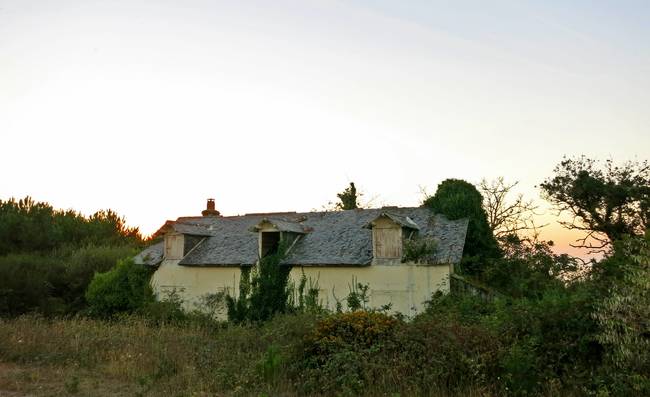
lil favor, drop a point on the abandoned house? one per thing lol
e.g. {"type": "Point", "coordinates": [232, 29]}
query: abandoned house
{"type": "Point", "coordinates": [404, 255]}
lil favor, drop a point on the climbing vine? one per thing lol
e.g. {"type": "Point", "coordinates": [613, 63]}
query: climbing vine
{"type": "Point", "coordinates": [263, 290]}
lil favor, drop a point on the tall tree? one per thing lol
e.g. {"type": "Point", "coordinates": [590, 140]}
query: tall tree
{"type": "Point", "coordinates": [458, 199]}
{"type": "Point", "coordinates": [605, 200]}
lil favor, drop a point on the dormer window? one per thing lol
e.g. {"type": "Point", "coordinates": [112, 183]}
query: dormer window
{"type": "Point", "coordinates": [388, 232]}
{"type": "Point", "coordinates": [274, 231]}
{"type": "Point", "coordinates": [174, 245]}
{"type": "Point", "coordinates": [180, 238]}
{"type": "Point", "coordinates": [269, 243]}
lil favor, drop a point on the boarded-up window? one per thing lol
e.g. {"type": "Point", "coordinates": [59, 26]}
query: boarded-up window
{"type": "Point", "coordinates": [387, 242]}
{"type": "Point", "coordinates": [174, 246]}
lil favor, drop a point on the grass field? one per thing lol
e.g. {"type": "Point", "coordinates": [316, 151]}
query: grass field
{"type": "Point", "coordinates": [132, 357]}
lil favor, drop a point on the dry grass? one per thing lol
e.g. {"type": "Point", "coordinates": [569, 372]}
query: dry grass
{"type": "Point", "coordinates": [143, 359]}
{"type": "Point", "coordinates": [63, 357]}
{"type": "Point", "coordinates": [30, 380]}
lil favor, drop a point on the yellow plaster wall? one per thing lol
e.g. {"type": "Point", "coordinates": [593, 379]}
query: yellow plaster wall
{"type": "Point", "coordinates": [192, 283]}
{"type": "Point", "coordinates": [405, 286]}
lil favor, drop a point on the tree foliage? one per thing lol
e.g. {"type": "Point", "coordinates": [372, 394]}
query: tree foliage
{"type": "Point", "coordinates": [49, 256]}
{"type": "Point", "coordinates": [605, 200]}
{"type": "Point", "coordinates": [30, 226]}
{"type": "Point", "coordinates": [624, 316]}
{"type": "Point", "coordinates": [348, 198]}
{"type": "Point", "coordinates": [458, 199]}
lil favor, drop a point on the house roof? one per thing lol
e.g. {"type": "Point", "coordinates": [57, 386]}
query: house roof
{"type": "Point", "coordinates": [336, 238]}
{"type": "Point", "coordinates": [281, 225]}
{"type": "Point", "coordinates": [401, 220]}
{"type": "Point", "coordinates": [150, 256]}
{"type": "Point", "coordinates": [189, 227]}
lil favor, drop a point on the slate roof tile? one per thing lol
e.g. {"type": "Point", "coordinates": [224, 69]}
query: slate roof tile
{"type": "Point", "coordinates": [336, 238]}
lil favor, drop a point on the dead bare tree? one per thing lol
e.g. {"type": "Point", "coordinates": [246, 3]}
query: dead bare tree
{"type": "Point", "coordinates": [508, 216]}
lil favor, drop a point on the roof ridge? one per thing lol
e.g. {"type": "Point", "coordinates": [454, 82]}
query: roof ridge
{"type": "Point", "coordinates": [299, 213]}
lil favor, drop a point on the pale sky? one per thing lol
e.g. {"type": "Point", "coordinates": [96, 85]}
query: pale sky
{"type": "Point", "coordinates": [150, 107]}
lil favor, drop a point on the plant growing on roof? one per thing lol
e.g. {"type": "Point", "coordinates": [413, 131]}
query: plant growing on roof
{"type": "Point", "coordinates": [348, 198]}
{"type": "Point", "coordinates": [419, 249]}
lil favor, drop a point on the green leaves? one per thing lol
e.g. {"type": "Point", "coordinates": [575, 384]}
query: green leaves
{"type": "Point", "coordinates": [606, 200]}
{"type": "Point", "coordinates": [30, 226]}
{"type": "Point", "coordinates": [125, 288]}
{"type": "Point", "coordinates": [264, 293]}
{"type": "Point", "coordinates": [458, 199]}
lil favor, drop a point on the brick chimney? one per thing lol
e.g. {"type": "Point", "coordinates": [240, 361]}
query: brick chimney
{"type": "Point", "coordinates": [210, 209]}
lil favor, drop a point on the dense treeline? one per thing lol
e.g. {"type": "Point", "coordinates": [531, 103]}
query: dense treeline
{"type": "Point", "coordinates": [48, 256]}
{"type": "Point", "coordinates": [30, 226]}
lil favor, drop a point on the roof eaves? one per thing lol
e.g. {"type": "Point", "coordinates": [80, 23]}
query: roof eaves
{"type": "Point", "coordinates": [403, 221]}
{"type": "Point", "coordinates": [281, 225]}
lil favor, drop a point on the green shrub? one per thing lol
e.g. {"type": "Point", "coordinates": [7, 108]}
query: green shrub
{"type": "Point", "coordinates": [166, 310]}
{"type": "Point", "coordinates": [623, 317]}
{"type": "Point", "coordinates": [358, 297]}
{"type": "Point", "coordinates": [529, 272]}
{"type": "Point", "coordinates": [338, 349]}
{"type": "Point", "coordinates": [419, 249]}
{"type": "Point", "coordinates": [433, 355]}
{"type": "Point", "coordinates": [52, 284]}
{"type": "Point", "coordinates": [81, 266]}
{"type": "Point", "coordinates": [125, 288]}
{"type": "Point", "coordinates": [305, 297]}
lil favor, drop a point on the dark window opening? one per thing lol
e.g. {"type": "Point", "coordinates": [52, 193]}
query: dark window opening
{"type": "Point", "coordinates": [270, 243]}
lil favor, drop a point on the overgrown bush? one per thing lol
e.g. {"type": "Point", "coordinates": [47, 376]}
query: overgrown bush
{"type": "Point", "coordinates": [53, 284]}
{"type": "Point", "coordinates": [551, 340]}
{"type": "Point", "coordinates": [539, 343]}
{"type": "Point", "coordinates": [529, 269]}
{"type": "Point", "coordinates": [432, 357]}
{"type": "Point", "coordinates": [263, 291]}
{"type": "Point", "coordinates": [81, 266]}
{"type": "Point", "coordinates": [419, 249]}
{"type": "Point", "coordinates": [305, 296]}
{"type": "Point", "coordinates": [123, 289]}
{"type": "Point", "coordinates": [624, 320]}
{"type": "Point", "coordinates": [338, 349]}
